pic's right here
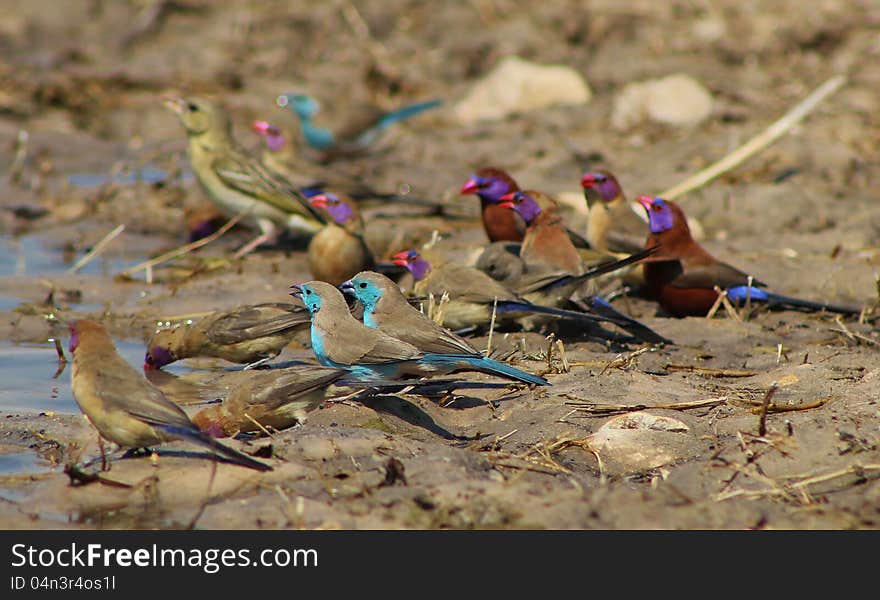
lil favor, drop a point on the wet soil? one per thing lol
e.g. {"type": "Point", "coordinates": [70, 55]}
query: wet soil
{"type": "Point", "coordinates": [83, 79]}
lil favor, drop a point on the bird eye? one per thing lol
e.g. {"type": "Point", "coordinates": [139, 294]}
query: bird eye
{"type": "Point", "coordinates": [362, 285]}
{"type": "Point", "coordinates": [307, 292]}
{"type": "Point", "coordinates": [192, 107]}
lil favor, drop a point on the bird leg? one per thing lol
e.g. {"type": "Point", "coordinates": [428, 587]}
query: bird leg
{"type": "Point", "coordinates": [105, 465]}
{"type": "Point", "coordinates": [249, 247]}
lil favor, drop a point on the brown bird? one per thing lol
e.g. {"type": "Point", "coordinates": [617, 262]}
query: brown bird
{"type": "Point", "coordinates": [339, 250]}
{"type": "Point", "coordinates": [613, 226]}
{"type": "Point", "coordinates": [251, 335]}
{"type": "Point", "coordinates": [490, 184]}
{"type": "Point", "coordinates": [277, 398]}
{"type": "Point", "coordinates": [682, 276]}
{"type": "Point", "coordinates": [474, 295]}
{"type": "Point", "coordinates": [123, 406]}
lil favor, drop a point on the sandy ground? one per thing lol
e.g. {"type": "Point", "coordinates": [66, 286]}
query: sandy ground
{"type": "Point", "coordinates": [83, 79]}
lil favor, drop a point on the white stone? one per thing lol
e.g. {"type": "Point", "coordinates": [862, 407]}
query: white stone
{"type": "Point", "coordinates": [640, 441]}
{"type": "Point", "coordinates": [678, 100]}
{"type": "Point", "coordinates": [516, 86]}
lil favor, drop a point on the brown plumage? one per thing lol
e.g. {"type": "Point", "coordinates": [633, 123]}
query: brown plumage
{"type": "Point", "coordinates": [123, 406]}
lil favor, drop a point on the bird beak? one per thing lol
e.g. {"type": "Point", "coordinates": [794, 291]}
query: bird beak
{"type": "Point", "coordinates": [318, 201]}
{"type": "Point", "coordinates": [470, 187]}
{"type": "Point", "coordinates": [401, 259]}
{"type": "Point", "coordinates": [347, 287]}
{"type": "Point", "coordinates": [174, 103]}
{"type": "Point", "coordinates": [509, 205]}
{"type": "Point", "coordinates": [588, 180]}
{"type": "Point", "coordinates": [297, 291]}
{"type": "Point", "coordinates": [261, 127]}
{"type": "Point", "coordinates": [646, 201]}
{"type": "Point", "coordinates": [508, 197]}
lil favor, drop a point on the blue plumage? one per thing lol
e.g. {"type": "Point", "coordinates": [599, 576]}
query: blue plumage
{"type": "Point", "coordinates": [305, 108]}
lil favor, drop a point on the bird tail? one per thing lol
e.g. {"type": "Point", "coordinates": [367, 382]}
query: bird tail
{"type": "Point", "coordinates": [574, 281]}
{"type": "Point", "coordinates": [196, 436]}
{"type": "Point", "coordinates": [407, 111]}
{"type": "Point", "coordinates": [739, 294]}
{"type": "Point", "coordinates": [486, 365]}
{"type": "Point", "coordinates": [641, 331]}
{"type": "Point", "coordinates": [515, 306]}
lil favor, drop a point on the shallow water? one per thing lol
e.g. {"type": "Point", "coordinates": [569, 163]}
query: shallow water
{"type": "Point", "coordinates": [21, 463]}
{"type": "Point", "coordinates": [26, 376]}
{"type": "Point", "coordinates": [147, 174]}
{"type": "Point", "coordinates": [32, 255]}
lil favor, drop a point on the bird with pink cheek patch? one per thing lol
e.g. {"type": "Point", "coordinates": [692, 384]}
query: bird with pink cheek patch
{"type": "Point", "coordinates": [682, 276]}
{"type": "Point", "coordinates": [124, 407]}
{"type": "Point", "coordinates": [339, 250]}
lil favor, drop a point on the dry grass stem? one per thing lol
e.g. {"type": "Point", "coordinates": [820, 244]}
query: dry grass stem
{"type": "Point", "coordinates": [757, 143]}
{"type": "Point", "coordinates": [709, 372]}
{"type": "Point", "coordinates": [186, 248]}
{"type": "Point", "coordinates": [96, 249]}
{"type": "Point", "coordinates": [598, 408]}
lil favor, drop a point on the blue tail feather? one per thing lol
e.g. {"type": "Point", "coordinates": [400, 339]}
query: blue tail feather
{"type": "Point", "coordinates": [406, 112]}
{"type": "Point", "coordinates": [485, 365]}
{"type": "Point", "coordinates": [738, 294]}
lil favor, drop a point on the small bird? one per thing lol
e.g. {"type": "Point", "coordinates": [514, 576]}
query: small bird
{"type": "Point", "coordinates": [123, 406]}
{"type": "Point", "coordinates": [682, 276]}
{"type": "Point", "coordinates": [613, 226]}
{"type": "Point", "coordinates": [387, 309]}
{"type": "Point", "coordinates": [251, 335]}
{"type": "Point", "coordinates": [341, 341]}
{"type": "Point", "coordinates": [339, 250]}
{"type": "Point", "coordinates": [365, 126]}
{"type": "Point", "coordinates": [490, 184]}
{"type": "Point", "coordinates": [237, 182]}
{"type": "Point", "coordinates": [474, 295]}
{"type": "Point", "coordinates": [278, 398]}
{"type": "Point", "coordinates": [552, 269]}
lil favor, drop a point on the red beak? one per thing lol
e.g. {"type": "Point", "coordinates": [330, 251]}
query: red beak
{"type": "Point", "coordinates": [588, 180]}
{"type": "Point", "coordinates": [401, 259]}
{"type": "Point", "coordinates": [318, 201]}
{"type": "Point", "coordinates": [508, 197]}
{"type": "Point", "coordinates": [470, 187]}
{"type": "Point", "coordinates": [509, 205]}
{"type": "Point", "coordinates": [646, 201]}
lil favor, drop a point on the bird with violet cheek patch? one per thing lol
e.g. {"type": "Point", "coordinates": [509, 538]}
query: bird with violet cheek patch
{"type": "Point", "coordinates": [683, 276]}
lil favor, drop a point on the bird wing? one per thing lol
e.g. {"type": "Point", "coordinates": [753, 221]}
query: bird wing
{"type": "Point", "coordinates": [707, 276]}
{"type": "Point", "coordinates": [125, 389]}
{"type": "Point", "coordinates": [466, 284]}
{"type": "Point", "coordinates": [384, 348]}
{"type": "Point", "coordinates": [249, 322]}
{"type": "Point", "coordinates": [257, 180]}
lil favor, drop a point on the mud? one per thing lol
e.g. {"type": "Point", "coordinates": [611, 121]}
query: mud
{"type": "Point", "coordinates": [83, 78]}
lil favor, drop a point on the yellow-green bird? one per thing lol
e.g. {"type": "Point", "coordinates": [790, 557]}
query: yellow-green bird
{"type": "Point", "coordinates": [237, 182]}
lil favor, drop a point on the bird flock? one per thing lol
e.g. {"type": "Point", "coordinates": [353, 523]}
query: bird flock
{"type": "Point", "coordinates": [367, 331]}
